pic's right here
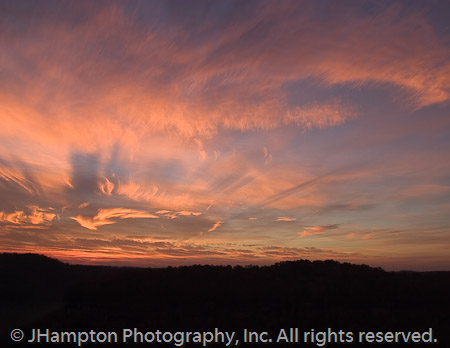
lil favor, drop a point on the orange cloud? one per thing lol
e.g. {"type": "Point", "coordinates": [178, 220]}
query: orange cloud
{"type": "Point", "coordinates": [310, 231]}
{"type": "Point", "coordinates": [267, 156]}
{"type": "Point", "coordinates": [174, 215]}
{"type": "Point", "coordinates": [106, 187]}
{"type": "Point", "coordinates": [215, 226]}
{"type": "Point", "coordinates": [36, 216]}
{"type": "Point", "coordinates": [197, 122]}
{"type": "Point", "coordinates": [174, 197]}
{"type": "Point", "coordinates": [192, 102]}
{"type": "Point", "coordinates": [222, 81]}
{"type": "Point", "coordinates": [104, 215]}
{"type": "Point", "coordinates": [15, 176]}
{"type": "Point", "coordinates": [283, 218]}
{"type": "Point", "coordinates": [188, 213]}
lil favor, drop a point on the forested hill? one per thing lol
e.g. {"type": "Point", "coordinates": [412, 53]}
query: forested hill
{"type": "Point", "coordinates": [39, 292]}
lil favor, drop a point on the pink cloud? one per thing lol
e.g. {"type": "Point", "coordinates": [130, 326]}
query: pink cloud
{"type": "Point", "coordinates": [287, 219]}
{"type": "Point", "coordinates": [106, 186]}
{"type": "Point", "coordinates": [310, 231]}
{"type": "Point", "coordinates": [215, 226]}
{"type": "Point", "coordinates": [217, 117]}
{"type": "Point", "coordinates": [104, 215]}
{"type": "Point", "coordinates": [35, 216]}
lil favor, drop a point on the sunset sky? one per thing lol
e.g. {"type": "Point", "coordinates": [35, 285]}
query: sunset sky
{"type": "Point", "coordinates": [156, 133]}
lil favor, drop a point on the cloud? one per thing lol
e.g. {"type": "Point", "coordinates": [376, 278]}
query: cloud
{"type": "Point", "coordinates": [283, 218]}
{"type": "Point", "coordinates": [189, 88]}
{"type": "Point", "coordinates": [215, 226]}
{"type": "Point", "coordinates": [310, 231]}
{"type": "Point", "coordinates": [188, 213]}
{"type": "Point", "coordinates": [35, 216]}
{"type": "Point", "coordinates": [19, 176]}
{"type": "Point", "coordinates": [106, 187]}
{"type": "Point", "coordinates": [174, 215]}
{"type": "Point", "coordinates": [253, 111]}
{"type": "Point", "coordinates": [164, 211]}
{"type": "Point", "coordinates": [232, 72]}
{"type": "Point", "coordinates": [267, 156]}
{"type": "Point", "coordinates": [104, 215]}
{"type": "Point", "coordinates": [291, 191]}
{"type": "Point", "coordinates": [306, 252]}
{"type": "Point", "coordinates": [175, 196]}
{"type": "Point", "coordinates": [351, 235]}
{"type": "Point", "coordinates": [424, 192]}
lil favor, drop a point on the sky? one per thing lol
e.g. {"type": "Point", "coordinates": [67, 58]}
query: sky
{"type": "Point", "coordinates": [166, 133]}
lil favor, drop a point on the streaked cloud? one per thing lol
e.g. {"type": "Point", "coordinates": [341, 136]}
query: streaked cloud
{"type": "Point", "coordinates": [310, 231]}
{"type": "Point", "coordinates": [258, 120]}
{"type": "Point", "coordinates": [286, 219]}
{"type": "Point", "coordinates": [12, 175]}
{"type": "Point", "coordinates": [104, 217]}
{"type": "Point", "coordinates": [106, 187]}
{"type": "Point", "coordinates": [215, 226]}
{"type": "Point", "coordinates": [175, 214]}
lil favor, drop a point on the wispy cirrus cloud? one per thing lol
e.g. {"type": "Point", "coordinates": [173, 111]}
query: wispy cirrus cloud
{"type": "Point", "coordinates": [19, 177]}
{"type": "Point", "coordinates": [256, 114]}
{"type": "Point", "coordinates": [285, 219]}
{"type": "Point", "coordinates": [106, 186]}
{"type": "Point", "coordinates": [227, 79]}
{"type": "Point", "coordinates": [175, 214]}
{"type": "Point", "coordinates": [215, 226]}
{"type": "Point", "coordinates": [310, 231]}
{"type": "Point", "coordinates": [196, 99]}
{"type": "Point", "coordinates": [104, 217]}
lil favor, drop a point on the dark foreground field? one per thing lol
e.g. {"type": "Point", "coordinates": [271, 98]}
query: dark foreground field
{"type": "Point", "coordinates": [38, 292]}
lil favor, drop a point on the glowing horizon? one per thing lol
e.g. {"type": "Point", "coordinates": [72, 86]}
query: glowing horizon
{"type": "Point", "coordinates": [166, 133]}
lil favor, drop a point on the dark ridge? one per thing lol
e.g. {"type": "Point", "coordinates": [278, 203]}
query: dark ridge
{"type": "Point", "coordinates": [28, 259]}
{"type": "Point", "coordinates": [40, 292]}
